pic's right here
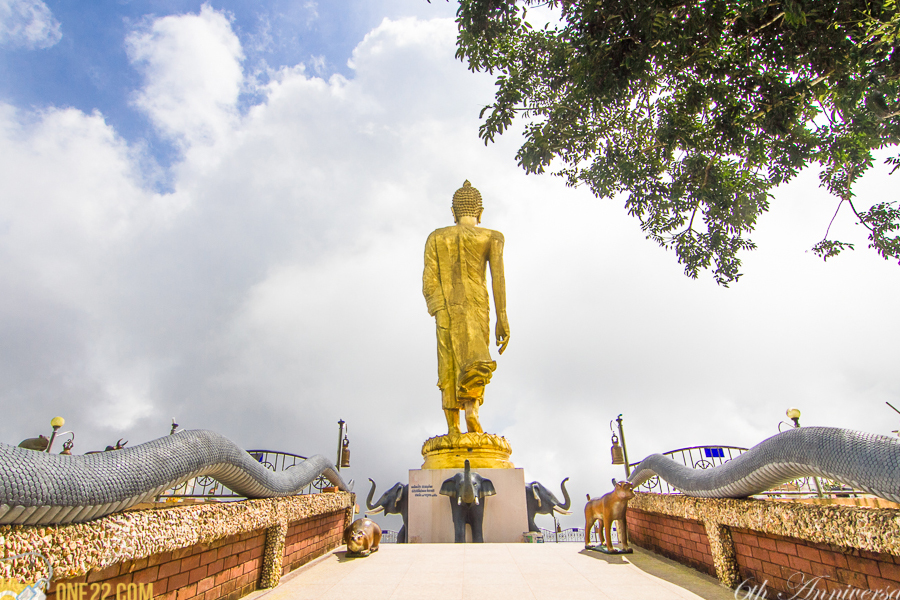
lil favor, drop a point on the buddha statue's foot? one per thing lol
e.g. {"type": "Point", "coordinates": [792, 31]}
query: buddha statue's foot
{"type": "Point", "coordinates": [473, 425]}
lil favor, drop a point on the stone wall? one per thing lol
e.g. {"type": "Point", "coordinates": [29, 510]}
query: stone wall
{"type": "Point", "coordinates": [770, 547]}
{"type": "Point", "coordinates": [196, 552]}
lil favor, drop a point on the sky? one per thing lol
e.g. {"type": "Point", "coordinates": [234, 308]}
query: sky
{"type": "Point", "coordinates": [217, 212]}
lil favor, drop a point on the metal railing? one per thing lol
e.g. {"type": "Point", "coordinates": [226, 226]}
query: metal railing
{"type": "Point", "coordinates": [695, 457]}
{"type": "Point", "coordinates": [208, 488]}
{"type": "Point", "coordinates": [389, 536]}
{"type": "Point", "coordinates": [705, 457]}
{"type": "Point", "coordinates": [573, 534]}
{"type": "Point", "coordinates": [576, 534]}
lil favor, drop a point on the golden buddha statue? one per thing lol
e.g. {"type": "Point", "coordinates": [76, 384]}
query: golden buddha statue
{"type": "Point", "coordinates": [455, 287]}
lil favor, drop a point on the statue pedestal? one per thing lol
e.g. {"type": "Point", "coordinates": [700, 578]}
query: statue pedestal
{"type": "Point", "coordinates": [482, 450]}
{"type": "Point", "coordinates": [430, 519]}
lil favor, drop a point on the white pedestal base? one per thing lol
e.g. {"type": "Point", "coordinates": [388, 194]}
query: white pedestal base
{"type": "Point", "coordinates": [430, 519]}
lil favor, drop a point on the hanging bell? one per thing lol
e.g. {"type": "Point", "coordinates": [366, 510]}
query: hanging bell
{"type": "Point", "coordinates": [618, 456]}
{"type": "Point", "coordinates": [345, 454]}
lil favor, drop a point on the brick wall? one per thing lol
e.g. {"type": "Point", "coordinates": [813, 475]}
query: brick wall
{"type": "Point", "coordinates": [311, 538]}
{"type": "Point", "coordinates": [224, 570]}
{"type": "Point", "coordinates": [683, 540]}
{"type": "Point", "coordinates": [785, 563]}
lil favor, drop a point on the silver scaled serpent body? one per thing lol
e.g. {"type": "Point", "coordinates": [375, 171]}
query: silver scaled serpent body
{"type": "Point", "coordinates": [866, 461]}
{"type": "Point", "coordinates": [37, 488]}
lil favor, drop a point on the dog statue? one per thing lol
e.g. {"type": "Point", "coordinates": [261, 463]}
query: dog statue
{"type": "Point", "coordinates": [362, 537]}
{"type": "Point", "coordinates": [606, 509]}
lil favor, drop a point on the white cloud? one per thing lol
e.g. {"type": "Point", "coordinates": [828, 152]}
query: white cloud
{"type": "Point", "coordinates": [318, 64]}
{"type": "Point", "coordinates": [73, 203]}
{"type": "Point", "coordinates": [261, 40]}
{"type": "Point", "coordinates": [312, 11]}
{"type": "Point", "coordinates": [192, 67]}
{"type": "Point", "coordinates": [122, 409]}
{"type": "Point", "coordinates": [28, 24]}
{"type": "Point", "coordinates": [279, 287]}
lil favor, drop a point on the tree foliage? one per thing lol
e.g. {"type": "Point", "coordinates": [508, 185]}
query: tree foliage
{"type": "Point", "coordinates": [697, 110]}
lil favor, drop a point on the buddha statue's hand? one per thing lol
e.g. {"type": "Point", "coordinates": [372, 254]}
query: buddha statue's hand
{"type": "Point", "coordinates": [502, 331]}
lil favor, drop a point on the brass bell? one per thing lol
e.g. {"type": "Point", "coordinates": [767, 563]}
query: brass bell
{"type": "Point", "coordinates": [345, 453]}
{"type": "Point", "coordinates": [618, 456]}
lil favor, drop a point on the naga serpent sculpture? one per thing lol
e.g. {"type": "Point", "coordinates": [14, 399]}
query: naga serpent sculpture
{"type": "Point", "coordinates": [865, 461]}
{"type": "Point", "coordinates": [37, 488]}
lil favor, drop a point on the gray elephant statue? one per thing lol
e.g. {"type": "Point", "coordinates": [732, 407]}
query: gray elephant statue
{"type": "Point", "coordinates": [541, 501]}
{"type": "Point", "coordinates": [467, 491]}
{"type": "Point", "coordinates": [395, 501]}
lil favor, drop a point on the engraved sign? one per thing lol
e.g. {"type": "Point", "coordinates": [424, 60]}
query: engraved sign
{"type": "Point", "coordinates": [423, 491]}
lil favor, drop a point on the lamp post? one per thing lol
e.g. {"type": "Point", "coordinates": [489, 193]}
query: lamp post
{"type": "Point", "coordinates": [619, 454]}
{"type": "Point", "coordinates": [55, 423]}
{"type": "Point", "coordinates": [897, 431]}
{"type": "Point", "coordinates": [556, 528]}
{"type": "Point", "coordinates": [343, 451]}
{"type": "Point", "coordinates": [794, 415]}
{"type": "Point", "coordinates": [340, 443]}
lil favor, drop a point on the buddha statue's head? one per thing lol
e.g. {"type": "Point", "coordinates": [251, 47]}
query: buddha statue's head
{"type": "Point", "coordinates": [467, 203]}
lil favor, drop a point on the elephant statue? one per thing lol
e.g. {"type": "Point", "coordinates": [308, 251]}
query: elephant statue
{"type": "Point", "coordinates": [467, 490]}
{"type": "Point", "coordinates": [395, 501]}
{"type": "Point", "coordinates": [541, 501]}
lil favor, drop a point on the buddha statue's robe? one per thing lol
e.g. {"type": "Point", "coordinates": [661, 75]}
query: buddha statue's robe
{"type": "Point", "coordinates": [455, 289]}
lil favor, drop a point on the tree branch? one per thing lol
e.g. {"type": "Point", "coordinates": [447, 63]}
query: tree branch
{"type": "Point", "coordinates": [833, 218]}
{"type": "Point", "coordinates": [858, 216]}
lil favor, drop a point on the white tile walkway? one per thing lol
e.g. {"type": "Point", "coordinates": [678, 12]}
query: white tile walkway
{"type": "Point", "coordinates": [494, 572]}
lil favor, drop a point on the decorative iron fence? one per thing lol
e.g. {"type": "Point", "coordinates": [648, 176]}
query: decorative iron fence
{"type": "Point", "coordinates": [695, 457]}
{"type": "Point", "coordinates": [209, 488]}
{"type": "Point", "coordinates": [388, 536]}
{"type": "Point", "coordinates": [573, 534]}
{"type": "Point", "coordinates": [576, 534]}
{"type": "Point", "coordinates": [705, 457]}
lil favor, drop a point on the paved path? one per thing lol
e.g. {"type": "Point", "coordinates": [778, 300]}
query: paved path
{"type": "Point", "coordinates": [494, 572]}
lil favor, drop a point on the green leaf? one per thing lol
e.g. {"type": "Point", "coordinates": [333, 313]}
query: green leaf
{"type": "Point", "coordinates": [697, 111]}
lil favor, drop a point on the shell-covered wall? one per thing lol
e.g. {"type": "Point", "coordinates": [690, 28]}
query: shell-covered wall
{"type": "Point", "coordinates": [849, 547]}
{"type": "Point", "coordinates": [74, 550]}
{"type": "Point", "coordinates": [872, 529]}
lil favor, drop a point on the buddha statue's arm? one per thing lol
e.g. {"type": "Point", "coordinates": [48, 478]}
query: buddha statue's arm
{"type": "Point", "coordinates": [431, 282]}
{"type": "Point", "coordinates": [498, 282]}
